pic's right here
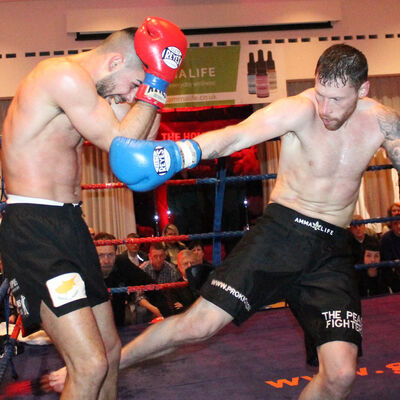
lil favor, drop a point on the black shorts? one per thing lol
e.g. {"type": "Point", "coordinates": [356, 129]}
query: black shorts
{"type": "Point", "coordinates": [305, 261]}
{"type": "Point", "coordinates": [48, 255]}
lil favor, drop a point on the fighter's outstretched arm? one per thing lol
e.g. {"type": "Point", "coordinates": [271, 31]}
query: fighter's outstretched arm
{"type": "Point", "coordinates": [277, 119]}
{"type": "Point", "coordinates": [144, 165]}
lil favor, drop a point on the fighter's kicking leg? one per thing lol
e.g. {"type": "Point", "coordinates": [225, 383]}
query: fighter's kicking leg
{"type": "Point", "coordinates": [337, 372]}
{"type": "Point", "coordinates": [201, 321]}
{"type": "Point", "coordinates": [91, 363]}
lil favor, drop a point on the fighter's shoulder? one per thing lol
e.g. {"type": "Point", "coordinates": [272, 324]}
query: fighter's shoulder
{"type": "Point", "coordinates": [58, 75]}
{"type": "Point", "coordinates": [387, 118]}
{"type": "Point", "coordinates": [301, 106]}
{"type": "Point", "coordinates": [298, 104]}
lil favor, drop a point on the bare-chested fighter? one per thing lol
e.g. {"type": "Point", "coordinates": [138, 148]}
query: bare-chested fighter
{"type": "Point", "coordinates": [328, 135]}
{"type": "Point", "coordinates": [48, 254]}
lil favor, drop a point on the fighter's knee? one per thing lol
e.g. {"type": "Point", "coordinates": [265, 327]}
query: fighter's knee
{"type": "Point", "coordinates": [92, 370]}
{"type": "Point", "coordinates": [201, 322]}
{"type": "Point", "coordinates": [340, 380]}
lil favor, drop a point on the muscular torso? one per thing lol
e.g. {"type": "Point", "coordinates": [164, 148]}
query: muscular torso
{"type": "Point", "coordinates": [320, 170]}
{"type": "Point", "coordinates": [45, 163]}
{"type": "Point", "coordinates": [41, 150]}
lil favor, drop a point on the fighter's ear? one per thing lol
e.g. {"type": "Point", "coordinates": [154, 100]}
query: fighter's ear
{"type": "Point", "coordinates": [115, 61]}
{"type": "Point", "coordinates": [364, 89]}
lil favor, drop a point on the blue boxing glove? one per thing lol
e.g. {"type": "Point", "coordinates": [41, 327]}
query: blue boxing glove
{"type": "Point", "coordinates": [145, 164]}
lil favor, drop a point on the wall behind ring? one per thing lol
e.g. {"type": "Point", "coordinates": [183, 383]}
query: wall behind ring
{"type": "Point", "coordinates": [39, 26]}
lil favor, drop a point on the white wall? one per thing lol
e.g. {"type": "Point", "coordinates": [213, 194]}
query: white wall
{"type": "Point", "coordinates": [40, 25]}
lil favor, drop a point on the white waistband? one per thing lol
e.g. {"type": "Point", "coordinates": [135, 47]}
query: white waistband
{"type": "Point", "coordinates": [14, 199]}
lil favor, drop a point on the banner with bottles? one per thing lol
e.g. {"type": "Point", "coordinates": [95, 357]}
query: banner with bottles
{"type": "Point", "coordinates": [227, 75]}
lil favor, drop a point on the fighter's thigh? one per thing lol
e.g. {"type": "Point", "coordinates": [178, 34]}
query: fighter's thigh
{"type": "Point", "coordinates": [76, 334]}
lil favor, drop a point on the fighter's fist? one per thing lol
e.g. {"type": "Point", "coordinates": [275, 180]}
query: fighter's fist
{"type": "Point", "coordinates": [144, 164]}
{"type": "Point", "coordinates": [161, 46]}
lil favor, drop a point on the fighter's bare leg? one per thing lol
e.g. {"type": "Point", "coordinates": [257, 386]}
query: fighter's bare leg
{"type": "Point", "coordinates": [201, 321]}
{"type": "Point", "coordinates": [337, 372]}
{"type": "Point", "coordinates": [112, 343]}
{"type": "Point", "coordinates": [77, 338]}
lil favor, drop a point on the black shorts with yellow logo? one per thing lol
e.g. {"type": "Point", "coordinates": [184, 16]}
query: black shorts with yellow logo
{"type": "Point", "coordinates": [48, 255]}
{"type": "Point", "coordinates": [292, 257]}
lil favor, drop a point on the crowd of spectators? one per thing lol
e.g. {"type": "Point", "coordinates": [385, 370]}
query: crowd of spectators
{"type": "Point", "coordinates": [165, 262]}
{"type": "Point", "coordinates": [370, 247]}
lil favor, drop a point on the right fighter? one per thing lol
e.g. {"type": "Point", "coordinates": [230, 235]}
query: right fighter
{"type": "Point", "coordinates": [300, 249]}
{"type": "Point", "coordinates": [48, 254]}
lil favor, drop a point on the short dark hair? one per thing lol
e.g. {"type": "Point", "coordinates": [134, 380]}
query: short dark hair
{"type": "Point", "coordinates": [195, 243]}
{"type": "Point", "coordinates": [157, 246]}
{"type": "Point", "coordinates": [371, 243]}
{"type": "Point", "coordinates": [105, 236]}
{"type": "Point", "coordinates": [344, 63]}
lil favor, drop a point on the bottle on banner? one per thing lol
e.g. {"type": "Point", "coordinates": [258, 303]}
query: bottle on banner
{"type": "Point", "coordinates": [251, 75]}
{"type": "Point", "coordinates": [262, 81]}
{"type": "Point", "coordinates": [271, 71]}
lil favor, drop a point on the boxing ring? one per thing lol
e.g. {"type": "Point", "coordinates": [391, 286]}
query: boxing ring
{"type": "Point", "coordinates": [263, 359]}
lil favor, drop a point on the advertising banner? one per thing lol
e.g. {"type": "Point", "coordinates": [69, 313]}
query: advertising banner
{"type": "Point", "coordinates": [227, 75]}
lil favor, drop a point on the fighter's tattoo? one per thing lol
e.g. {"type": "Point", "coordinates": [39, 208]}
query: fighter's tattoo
{"type": "Point", "coordinates": [389, 124]}
{"type": "Point", "coordinates": [214, 154]}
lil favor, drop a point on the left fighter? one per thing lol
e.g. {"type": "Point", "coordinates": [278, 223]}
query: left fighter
{"type": "Point", "coordinates": [48, 254]}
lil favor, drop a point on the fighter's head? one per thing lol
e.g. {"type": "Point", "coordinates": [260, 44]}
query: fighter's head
{"type": "Point", "coordinates": [341, 64]}
{"type": "Point", "coordinates": [123, 70]}
{"type": "Point", "coordinates": [340, 80]}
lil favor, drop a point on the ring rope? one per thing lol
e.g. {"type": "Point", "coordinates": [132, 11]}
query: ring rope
{"type": "Point", "coordinates": [170, 238]}
{"type": "Point", "coordinates": [3, 289]}
{"type": "Point", "coordinates": [9, 347]}
{"type": "Point", "coordinates": [149, 287]}
{"type": "Point", "coordinates": [382, 264]}
{"type": "Point", "coordinates": [208, 181]}
{"type": "Point", "coordinates": [373, 220]}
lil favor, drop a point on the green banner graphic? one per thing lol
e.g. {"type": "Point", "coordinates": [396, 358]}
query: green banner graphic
{"type": "Point", "coordinates": [207, 76]}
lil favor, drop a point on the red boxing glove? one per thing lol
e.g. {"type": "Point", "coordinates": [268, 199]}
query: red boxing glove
{"type": "Point", "coordinates": [161, 46]}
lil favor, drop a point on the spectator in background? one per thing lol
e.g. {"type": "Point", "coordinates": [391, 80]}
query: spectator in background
{"type": "Point", "coordinates": [393, 210]}
{"type": "Point", "coordinates": [359, 237]}
{"type": "Point", "coordinates": [172, 248]}
{"type": "Point", "coordinates": [116, 276]}
{"type": "Point", "coordinates": [133, 256]}
{"type": "Point", "coordinates": [390, 249]}
{"type": "Point", "coordinates": [161, 271]}
{"type": "Point", "coordinates": [197, 248]}
{"type": "Point", "coordinates": [130, 260]}
{"type": "Point", "coordinates": [359, 234]}
{"type": "Point", "coordinates": [375, 283]}
{"type": "Point", "coordinates": [183, 297]}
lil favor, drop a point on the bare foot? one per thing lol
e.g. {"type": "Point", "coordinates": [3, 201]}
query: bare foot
{"type": "Point", "coordinates": [55, 380]}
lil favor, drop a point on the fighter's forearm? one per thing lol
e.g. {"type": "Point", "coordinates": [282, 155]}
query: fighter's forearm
{"type": "Point", "coordinates": [219, 143]}
{"type": "Point", "coordinates": [138, 122]}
